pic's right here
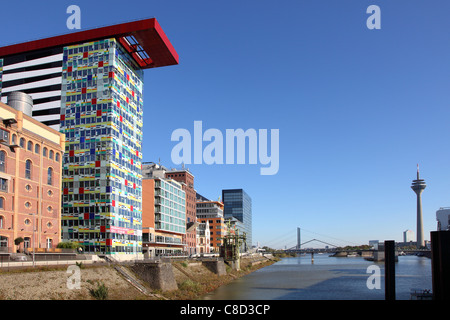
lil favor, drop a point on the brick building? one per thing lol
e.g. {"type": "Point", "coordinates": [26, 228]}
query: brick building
{"type": "Point", "coordinates": [30, 179]}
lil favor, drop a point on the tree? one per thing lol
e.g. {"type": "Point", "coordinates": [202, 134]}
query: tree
{"type": "Point", "coordinates": [18, 241]}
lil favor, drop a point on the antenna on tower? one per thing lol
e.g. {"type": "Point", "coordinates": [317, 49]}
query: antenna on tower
{"type": "Point", "coordinates": [417, 171]}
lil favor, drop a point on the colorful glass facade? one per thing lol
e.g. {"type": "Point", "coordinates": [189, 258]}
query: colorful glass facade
{"type": "Point", "coordinates": [1, 73]}
{"type": "Point", "coordinates": [101, 115]}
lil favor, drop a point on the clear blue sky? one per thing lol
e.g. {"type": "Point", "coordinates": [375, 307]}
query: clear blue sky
{"type": "Point", "coordinates": [357, 109]}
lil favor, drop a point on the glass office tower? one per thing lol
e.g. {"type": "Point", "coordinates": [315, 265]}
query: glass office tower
{"type": "Point", "coordinates": [238, 204]}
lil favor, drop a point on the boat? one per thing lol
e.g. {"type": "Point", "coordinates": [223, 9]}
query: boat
{"type": "Point", "coordinates": [421, 294]}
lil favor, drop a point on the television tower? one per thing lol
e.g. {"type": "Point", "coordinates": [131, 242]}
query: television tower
{"type": "Point", "coordinates": [418, 186]}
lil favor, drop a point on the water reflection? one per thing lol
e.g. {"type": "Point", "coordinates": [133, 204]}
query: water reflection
{"type": "Point", "coordinates": [325, 278]}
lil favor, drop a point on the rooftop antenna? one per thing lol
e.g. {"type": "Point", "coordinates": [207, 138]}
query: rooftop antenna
{"type": "Point", "coordinates": [418, 172]}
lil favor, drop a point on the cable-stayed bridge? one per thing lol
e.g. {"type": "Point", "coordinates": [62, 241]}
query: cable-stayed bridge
{"type": "Point", "coordinates": [292, 242]}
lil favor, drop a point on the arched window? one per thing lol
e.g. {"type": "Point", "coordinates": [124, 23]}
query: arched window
{"type": "Point", "coordinates": [14, 139]}
{"type": "Point", "coordinates": [2, 221]}
{"type": "Point", "coordinates": [2, 205]}
{"type": "Point", "coordinates": [51, 154]}
{"type": "Point", "coordinates": [30, 146]}
{"type": "Point", "coordinates": [22, 143]}
{"type": "Point", "coordinates": [49, 176]}
{"type": "Point", "coordinates": [37, 148]}
{"type": "Point", "coordinates": [57, 157]}
{"type": "Point", "coordinates": [2, 161]}
{"type": "Point", "coordinates": [28, 166]}
{"type": "Point", "coordinates": [44, 153]}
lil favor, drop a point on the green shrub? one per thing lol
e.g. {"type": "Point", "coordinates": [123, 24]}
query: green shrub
{"type": "Point", "coordinates": [68, 245]}
{"type": "Point", "coordinates": [99, 293]}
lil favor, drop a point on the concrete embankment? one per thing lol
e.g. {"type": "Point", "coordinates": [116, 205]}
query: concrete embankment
{"type": "Point", "coordinates": [176, 279]}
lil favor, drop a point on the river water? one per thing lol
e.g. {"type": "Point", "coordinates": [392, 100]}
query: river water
{"type": "Point", "coordinates": [326, 278]}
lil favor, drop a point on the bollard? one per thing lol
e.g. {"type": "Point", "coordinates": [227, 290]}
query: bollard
{"type": "Point", "coordinates": [389, 269]}
{"type": "Point", "coordinates": [440, 264]}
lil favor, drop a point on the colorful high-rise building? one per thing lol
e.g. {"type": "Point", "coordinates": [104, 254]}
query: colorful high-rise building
{"type": "Point", "coordinates": [89, 85]}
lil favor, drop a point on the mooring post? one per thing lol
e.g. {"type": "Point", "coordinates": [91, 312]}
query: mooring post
{"type": "Point", "coordinates": [440, 264]}
{"type": "Point", "coordinates": [389, 269]}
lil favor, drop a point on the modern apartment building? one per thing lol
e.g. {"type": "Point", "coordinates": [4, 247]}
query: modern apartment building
{"type": "Point", "coordinates": [187, 179]}
{"type": "Point", "coordinates": [238, 204]}
{"type": "Point", "coordinates": [89, 85]}
{"type": "Point", "coordinates": [30, 178]}
{"type": "Point", "coordinates": [163, 215]}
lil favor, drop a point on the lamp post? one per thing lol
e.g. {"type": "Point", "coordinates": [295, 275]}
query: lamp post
{"type": "Point", "coordinates": [34, 237]}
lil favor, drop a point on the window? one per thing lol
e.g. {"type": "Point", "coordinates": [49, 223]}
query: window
{"type": "Point", "coordinates": [57, 157]}
{"type": "Point", "coordinates": [49, 176]}
{"type": "Point", "coordinates": [51, 154]}
{"type": "Point", "coordinates": [22, 143]}
{"type": "Point", "coordinates": [2, 161]}
{"type": "Point", "coordinates": [4, 135]}
{"type": "Point", "coordinates": [2, 221]}
{"type": "Point", "coordinates": [3, 185]}
{"type": "Point", "coordinates": [27, 222]}
{"type": "Point", "coordinates": [44, 153]}
{"type": "Point", "coordinates": [14, 139]}
{"type": "Point", "coordinates": [37, 148]}
{"type": "Point", "coordinates": [28, 165]}
{"type": "Point", "coordinates": [30, 146]}
{"type": "Point", "coordinates": [2, 205]}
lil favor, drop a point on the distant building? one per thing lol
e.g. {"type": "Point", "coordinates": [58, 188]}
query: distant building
{"type": "Point", "coordinates": [374, 244]}
{"type": "Point", "coordinates": [238, 204]}
{"type": "Point", "coordinates": [30, 178]}
{"type": "Point", "coordinates": [443, 219]}
{"type": "Point", "coordinates": [203, 238]}
{"type": "Point", "coordinates": [408, 236]}
{"type": "Point", "coordinates": [212, 212]}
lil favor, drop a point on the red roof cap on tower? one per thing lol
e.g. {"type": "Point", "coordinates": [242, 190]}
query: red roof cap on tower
{"type": "Point", "coordinates": [143, 39]}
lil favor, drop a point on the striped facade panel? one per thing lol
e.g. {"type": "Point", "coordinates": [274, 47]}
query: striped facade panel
{"type": "Point", "coordinates": [39, 74]}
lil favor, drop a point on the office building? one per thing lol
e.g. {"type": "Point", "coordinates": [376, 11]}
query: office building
{"type": "Point", "coordinates": [186, 178]}
{"type": "Point", "coordinates": [30, 178]}
{"type": "Point", "coordinates": [238, 204]}
{"type": "Point", "coordinates": [89, 85]}
{"type": "Point", "coordinates": [163, 215]}
{"type": "Point", "coordinates": [443, 219]}
{"type": "Point", "coordinates": [408, 236]}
